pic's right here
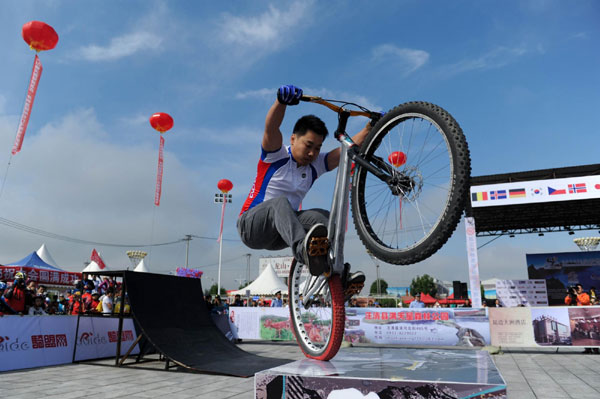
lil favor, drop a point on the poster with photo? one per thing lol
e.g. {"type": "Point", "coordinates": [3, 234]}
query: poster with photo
{"type": "Point", "coordinates": [551, 326]}
{"type": "Point", "coordinates": [584, 322]}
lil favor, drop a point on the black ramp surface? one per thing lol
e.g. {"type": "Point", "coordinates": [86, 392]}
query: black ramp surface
{"type": "Point", "coordinates": [173, 315]}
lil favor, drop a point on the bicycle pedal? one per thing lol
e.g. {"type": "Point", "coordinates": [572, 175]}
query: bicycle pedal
{"type": "Point", "coordinates": [353, 289]}
{"type": "Point", "coordinates": [318, 246]}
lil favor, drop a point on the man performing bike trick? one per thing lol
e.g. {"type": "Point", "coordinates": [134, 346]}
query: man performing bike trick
{"type": "Point", "coordinates": [270, 217]}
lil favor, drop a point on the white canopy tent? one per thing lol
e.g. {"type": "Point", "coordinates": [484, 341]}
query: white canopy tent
{"type": "Point", "coordinates": [44, 254]}
{"type": "Point", "coordinates": [141, 267]}
{"type": "Point", "coordinates": [93, 267]}
{"type": "Point", "coordinates": [266, 284]}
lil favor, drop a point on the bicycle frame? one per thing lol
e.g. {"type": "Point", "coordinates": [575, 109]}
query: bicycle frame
{"type": "Point", "coordinates": [338, 217]}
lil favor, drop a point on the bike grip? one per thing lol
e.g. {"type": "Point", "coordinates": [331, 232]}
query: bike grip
{"type": "Point", "coordinates": [308, 98]}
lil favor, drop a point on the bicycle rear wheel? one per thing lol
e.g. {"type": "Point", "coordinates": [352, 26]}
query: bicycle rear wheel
{"type": "Point", "coordinates": [410, 218]}
{"type": "Point", "coordinates": [318, 321]}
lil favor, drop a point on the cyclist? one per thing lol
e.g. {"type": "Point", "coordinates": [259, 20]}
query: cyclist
{"type": "Point", "coordinates": [270, 217]}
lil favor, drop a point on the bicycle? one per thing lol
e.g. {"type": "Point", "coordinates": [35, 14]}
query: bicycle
{"type": "Point", "coordinates": [415, 156]}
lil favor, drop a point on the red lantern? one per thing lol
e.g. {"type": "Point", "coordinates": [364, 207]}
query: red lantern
{"type": "Point", "coordinates": [225, 185]}
{"type": "Point", "coordinates": [161, 121]}
{"type": "Point", "coordinates": [39, 35]}
{"type": "Point", "coordinates": [397, 158]}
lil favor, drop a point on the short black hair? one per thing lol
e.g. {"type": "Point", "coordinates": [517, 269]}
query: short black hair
{"type": "Point", "coordinates": [310, 122]}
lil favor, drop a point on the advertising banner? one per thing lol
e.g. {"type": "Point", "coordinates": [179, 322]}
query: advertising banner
{"type": "Point", "coordinates": [430, 326]}
{"type": "Point", "coordinates": [512, 293]}
{"type": "Point", "coordinates": [562, 270]}
{"type": "Point", "coordinates": [37, 341]}
{"type": "Point", "coordinates": [473, 261]}
{"type": "Point", "coordinates": [261, 323]}
{"type": "Point", "coordinates": [281, 265]}
{"type": "Point", "coordinates": [98, 337]}
{"type": "Point", "coordinates": [536, 191]}
{"type": "Point", "coordinates": [440, 326]}
{"type": "Point", "coordinates": [511, 327]}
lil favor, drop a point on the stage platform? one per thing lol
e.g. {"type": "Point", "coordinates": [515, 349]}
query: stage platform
{"type": "Point", "coordinates": [385, 373]}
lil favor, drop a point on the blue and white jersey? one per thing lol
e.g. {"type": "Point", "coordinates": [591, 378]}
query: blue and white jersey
{"type": "Point", "coordinates": [278, 175]}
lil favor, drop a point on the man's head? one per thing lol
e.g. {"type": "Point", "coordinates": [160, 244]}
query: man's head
{"type": "Point", "coordinates": [417, 297]}
{"type": "Point", "coordinates": [38, 301]}
{"type": "Point", "coordinates": [579, 288]}
{"type": "Point", "coordinates": [307, 139]}
{"type": "Point", "coordinates": [95, 296]}
{"type": "Point", "coordinates": [278, 294]}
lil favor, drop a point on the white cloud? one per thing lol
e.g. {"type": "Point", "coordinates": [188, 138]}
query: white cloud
{"type": "Point", "coordinates": [405, 59]}
{"type": "Point", "coordinates": [495, 58]}
{"type": "Point", "coordinates": [122, 46]}
{"type": "Point", "coordinates": [268, 31]}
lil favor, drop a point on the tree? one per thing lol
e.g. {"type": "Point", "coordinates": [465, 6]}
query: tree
{"type": "Point", "coordinates": [245, 284]}
{"type": "Point", "coordinates": [383, 284]}
{"type": "Point", "coordinates": [213, 290]}
{"type": "Point", "coordinates": [424, 284]}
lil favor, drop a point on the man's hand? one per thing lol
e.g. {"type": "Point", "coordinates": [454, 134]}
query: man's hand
{"type": "Point", "coordinates": [289, 95]}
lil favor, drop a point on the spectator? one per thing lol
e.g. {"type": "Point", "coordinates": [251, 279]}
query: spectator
{"type": "Point", "coordinates": [63, 305]}
{"type": "Point", "coordinates": [4, 306]}
{"type": "Point", "coordinates": [583, 299]}
{"type": "Point", "coordinates": [209, 302]}
{"type": "Point", "coordinates": [353, 303]}
{"type": "Point", "coordinates": [237, 300]}
{"type": "Point", "coordinates": [52, 305]}
{"type": "Point", "coordinates": [15, 295]}
{"type": "Point", "coordinates": [107, 302]}
{"type": "Point", "coordinates": [92, 305]}
{"type": "Point", "coordinates": [277, 302]}
{"type": "Point", "coordinates": [497, 303]}
{"type": "Point", "coordinates": [76, 307]}
{"type": "Point", "coordinates": [417, 302]}
{"type": "Point", "coordinates": [37, 309]}
{"type": "Point", "coordinates": [437, 304]}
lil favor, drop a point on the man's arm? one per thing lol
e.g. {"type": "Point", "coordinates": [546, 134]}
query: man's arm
{"type": "Point", "coordinates": [333, 157]}
{"type": "Point", "coordinates": [272, 137]}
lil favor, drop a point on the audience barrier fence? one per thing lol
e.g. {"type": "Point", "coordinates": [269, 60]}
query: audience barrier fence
{"type": "Point", "coordinates": [36, 341]}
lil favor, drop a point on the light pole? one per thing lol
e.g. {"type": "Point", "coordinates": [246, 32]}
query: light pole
{"type": "Point", "coordinates": [225, 186]}
{"type": "Point", "coordinates": [248, 267]}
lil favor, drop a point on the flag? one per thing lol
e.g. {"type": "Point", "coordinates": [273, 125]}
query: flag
{"type": "Point", "coordinates": [482, 196]}
{"type": "Point", "coordinates": [553, 191]}
{"type": "Point", "coordinates": [96, 258]}
{"type": "Point", "coordinates": [577, 188]}
{"type": "Point", "coordinates": [517, 193]}
{"type": "Point", "coordinates": [537, 191]}
{"type": "Point", "coordinates": [499, 194]}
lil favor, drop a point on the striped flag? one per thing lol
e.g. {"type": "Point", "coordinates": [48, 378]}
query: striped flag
{"type": "Point", "coordinates": [482, 196]}
{"type": "Point", "coordinates": [517, 193]}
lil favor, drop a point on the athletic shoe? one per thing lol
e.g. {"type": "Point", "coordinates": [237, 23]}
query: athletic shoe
{"type": "Point", "coordinates": [316, 246]}
{"type": "Point", "coordinates": [354, 284]}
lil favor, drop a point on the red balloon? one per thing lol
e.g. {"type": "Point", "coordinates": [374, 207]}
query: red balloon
{"type": "Point", "coordinates": [397, 158]}
{"type": "Point", "coordinates": [39, 35]}
{"type": "Point", "coordinates": [161, 121]}
{"type": "Point", "coordinates": [225, 185]}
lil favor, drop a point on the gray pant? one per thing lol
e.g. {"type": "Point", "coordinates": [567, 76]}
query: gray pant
{"type": "Point", "coordinates": [274, 225]}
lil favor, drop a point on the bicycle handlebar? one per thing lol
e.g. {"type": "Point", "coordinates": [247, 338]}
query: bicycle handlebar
{"type": "Point", "coordinates": [334, 107]}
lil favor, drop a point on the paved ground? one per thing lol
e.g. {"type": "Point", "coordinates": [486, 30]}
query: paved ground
{"type": "Point", "coordinates": [540, 373]}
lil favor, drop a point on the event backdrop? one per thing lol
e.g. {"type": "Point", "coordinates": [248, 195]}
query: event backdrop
{"type": "Point", "coordinates": [564, 269]}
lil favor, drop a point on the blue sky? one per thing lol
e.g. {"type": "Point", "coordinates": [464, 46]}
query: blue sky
{"type": "Point", "coordinates": [519, 76]}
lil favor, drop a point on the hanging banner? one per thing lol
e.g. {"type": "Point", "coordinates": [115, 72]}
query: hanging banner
{"type": "Point", "coordinates": [535, 191]}
{"type": "Point", "coordinates": [53, 277]}
{"type": "Point", "coordinates": [159, 174]}
{"type": "Point", "coordinates": [36, 73]}
{"type": "Point", "coordinates": [473, 262]}
{"type": "Point", "coordinates": [512, 293]}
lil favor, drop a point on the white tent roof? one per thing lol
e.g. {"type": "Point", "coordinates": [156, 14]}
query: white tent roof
{"type": "Point", "coordinates": [93, 267]}
{"type": "Point", "coordinates": [266, 284]}
{"type": "Point", "coordinates": [141, 267]}
{"type": "Point", "coordinates": [44, 254]}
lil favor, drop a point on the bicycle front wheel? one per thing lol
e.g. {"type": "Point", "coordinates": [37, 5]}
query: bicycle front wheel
{"type": "Point", "coordinates": [317, 312]}
{"type": "Point", "coordinates": [409, 218]}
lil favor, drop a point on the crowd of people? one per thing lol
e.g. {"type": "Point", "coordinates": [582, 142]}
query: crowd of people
{"type": "Point", "coordinates": [101, 296]}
